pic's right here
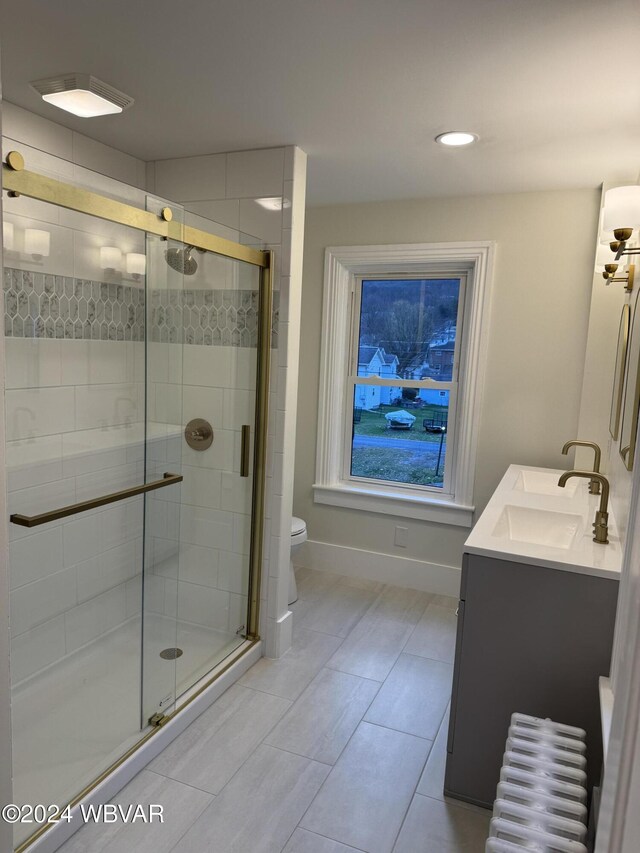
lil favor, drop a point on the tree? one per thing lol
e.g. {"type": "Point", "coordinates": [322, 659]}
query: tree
{"type": "Point", "coordinates": [402, 325]}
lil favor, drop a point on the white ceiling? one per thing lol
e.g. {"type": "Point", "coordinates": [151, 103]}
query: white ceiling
{"type": "Point", "coordinates": [551, 86]}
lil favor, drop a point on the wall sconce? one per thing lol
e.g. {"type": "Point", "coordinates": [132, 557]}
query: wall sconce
{"type": "Point", "coordinates": [609, 276]}
{"type": "Point", "coordinates": [37, 243]}
{"type": "Point", "coordinates": [620, 249]}
{"type": "Point", "coordinates": [136, 264]}
{"type": "Point", "coordinates": [621, 215]}
{"type": "Point", "coordinates": [8, 241]}
{"type": "Point", "coordinates": [111, 258]}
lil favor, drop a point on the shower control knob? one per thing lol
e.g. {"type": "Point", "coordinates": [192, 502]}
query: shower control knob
{"type": "Point", "coordinates": [198, 434]}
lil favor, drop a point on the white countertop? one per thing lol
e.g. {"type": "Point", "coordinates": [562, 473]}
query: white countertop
{"type": "Point", "coordinates": [573, 508]}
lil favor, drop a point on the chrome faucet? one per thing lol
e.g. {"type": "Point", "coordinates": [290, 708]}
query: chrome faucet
{"type": "Point", "coordinates": [600, 525]}
{"type": "Point", "coordinates": [594, 485]}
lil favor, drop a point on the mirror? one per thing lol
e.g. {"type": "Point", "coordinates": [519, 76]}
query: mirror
{"type": "Point", "coordinates": [621, 361]}
{"type": "Point", "coordinates": [631, 394]}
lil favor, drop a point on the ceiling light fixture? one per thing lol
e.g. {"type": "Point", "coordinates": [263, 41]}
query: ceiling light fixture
{"type": "Point", "coordinates": [276, 202]}
{"type": "Point", "coordinates": [82, 94]}
{"type": "Point", "coordinates": [456, 138]}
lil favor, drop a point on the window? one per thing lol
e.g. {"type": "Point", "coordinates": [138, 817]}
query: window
{"type": "Point", "coordinates": [402, 384]}
{"type": "Point", "coordinates": [401, 374]}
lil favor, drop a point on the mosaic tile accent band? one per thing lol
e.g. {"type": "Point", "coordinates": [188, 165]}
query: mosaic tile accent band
{"type": "Point", "coordinates": [209, 317]}
{"type": "Point", "coordinates": [52, 306]}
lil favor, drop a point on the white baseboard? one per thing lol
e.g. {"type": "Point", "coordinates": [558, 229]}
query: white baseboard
{"type": "Point", "coordinates": [371, 565]}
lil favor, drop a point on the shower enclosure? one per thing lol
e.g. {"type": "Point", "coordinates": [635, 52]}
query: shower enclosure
{"type": "Point", "coordinates": [137, 361]}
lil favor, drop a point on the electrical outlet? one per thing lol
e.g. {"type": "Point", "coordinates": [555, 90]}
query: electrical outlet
{"type": "Point", "coordinates": [402, 537]}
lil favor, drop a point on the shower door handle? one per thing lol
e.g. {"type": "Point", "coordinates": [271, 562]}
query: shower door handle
{"type": "Point", "coordinates": [83, 506]}
{"type": "Point", "coordinates": [244, 452]}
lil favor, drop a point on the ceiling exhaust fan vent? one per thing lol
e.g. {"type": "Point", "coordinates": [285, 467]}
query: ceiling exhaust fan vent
{"type": "Point", "coordinates": [87, 82]}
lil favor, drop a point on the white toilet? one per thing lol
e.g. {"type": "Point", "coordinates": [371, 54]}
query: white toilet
{"type": "Point", "coordinates": [298, 536]}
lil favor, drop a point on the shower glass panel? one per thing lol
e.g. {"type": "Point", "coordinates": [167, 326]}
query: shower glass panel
{"type": "Point", "coordinates": [117, 610]}
{"type": "Point", "coordinates": [74, 337]}
{"type": "Point", "coordinates": [163, 424]}
{"type": "Point", "coordinates": [201, 366]}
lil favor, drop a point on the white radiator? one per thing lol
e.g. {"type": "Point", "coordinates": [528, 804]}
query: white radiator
{"type": "Point", "coordinates": [541, 796]}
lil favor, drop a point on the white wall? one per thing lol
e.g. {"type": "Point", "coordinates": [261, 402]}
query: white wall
{"type": "Point", "coordinates": [538, 327]}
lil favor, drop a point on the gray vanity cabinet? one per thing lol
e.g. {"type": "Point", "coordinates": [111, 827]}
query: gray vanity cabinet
{"type": "Point", "coordinates": [530, 639]}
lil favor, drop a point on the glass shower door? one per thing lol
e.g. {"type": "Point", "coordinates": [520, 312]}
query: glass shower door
{"type": "Point", "coordinates": [201, 368]}
{"type": "Point", "coordinates": [131, 370]}
{"type": "Point", "coordinates": [74, 341]}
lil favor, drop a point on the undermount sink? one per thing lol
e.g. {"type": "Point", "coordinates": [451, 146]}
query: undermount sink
{"type": "Point", "coordinates": [544, 483]}
{"type": "Point", "coordinates": [538, 526]}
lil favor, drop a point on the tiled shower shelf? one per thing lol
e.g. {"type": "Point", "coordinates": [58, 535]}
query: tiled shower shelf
{"type": "Point", "coordinates": [87, 443]}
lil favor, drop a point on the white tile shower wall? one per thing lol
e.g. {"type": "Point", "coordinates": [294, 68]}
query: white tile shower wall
{"type": "Point", "coordinates": [279, 626]}
{"type": "Point", "coordinates": [77, 579]}
{"type": "Point", "coordinates": [60, 142]}
{"type": "Point", "coordinates": [68, 578]}
{"type": "Point", "coordinates": [199, 544]}
{"type": "Point", "coordinates": [74, 413]}
{"type": "Point", "coordinates": [227, 187]}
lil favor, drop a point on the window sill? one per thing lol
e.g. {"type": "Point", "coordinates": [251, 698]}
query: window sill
{"type": "Point", "coordinates": [395, 502]}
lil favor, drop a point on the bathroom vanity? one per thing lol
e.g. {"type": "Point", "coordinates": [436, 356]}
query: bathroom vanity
{"type": "Point", "coordinates": [535, 624]}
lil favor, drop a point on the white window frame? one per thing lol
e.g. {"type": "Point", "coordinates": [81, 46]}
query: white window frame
{"type": "Point", "coordinates": [343, 264]}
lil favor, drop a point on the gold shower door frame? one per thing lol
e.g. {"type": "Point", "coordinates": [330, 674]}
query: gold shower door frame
{"type": "Point", "coordinates": [17, 181]}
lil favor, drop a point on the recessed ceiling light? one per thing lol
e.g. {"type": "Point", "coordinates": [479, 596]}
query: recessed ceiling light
{"type": "Point", "coordinates": [273, 202]}
{"type": "Point", "coordinates": [456, 138]}
{"type": "Point", "coordinates": [82, 95]}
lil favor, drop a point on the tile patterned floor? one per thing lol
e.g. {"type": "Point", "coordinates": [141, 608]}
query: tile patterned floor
{"type": "Point", "coordinates": [338, 747]}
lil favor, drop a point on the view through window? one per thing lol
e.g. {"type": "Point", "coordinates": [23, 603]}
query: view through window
{"type": "Point", "coordinates": [404, 380]}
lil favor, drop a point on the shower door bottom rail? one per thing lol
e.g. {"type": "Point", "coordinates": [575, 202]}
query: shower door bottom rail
{"type": "Point", "coordinates": [83, 506]}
